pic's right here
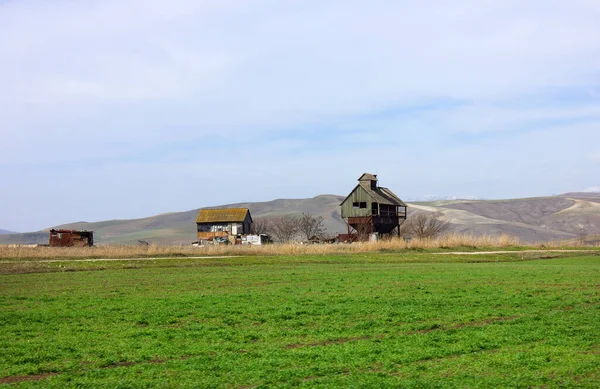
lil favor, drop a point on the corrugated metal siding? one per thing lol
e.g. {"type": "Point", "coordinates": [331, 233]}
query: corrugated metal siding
{"type": "Point", "coordinates": [71, 238]}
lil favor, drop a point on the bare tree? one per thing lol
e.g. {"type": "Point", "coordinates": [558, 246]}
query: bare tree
{"type": "Point", "coordinates": [363, 229]}
{"type": "Point", "coordinates": [285, 228]}
{"type": "Point", "coordinates": [261, 226]}
{"type": "Point", "coordinates": [311, 226]}
{"type": "Point", "coordinates": [425, 225]}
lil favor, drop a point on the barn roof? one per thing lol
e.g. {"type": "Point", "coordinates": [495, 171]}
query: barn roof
{"type": "Point", "coordinates": [223, 215]}
{"type": "Point", "coordinates": [379, 194]}
{"type": "Point", "coordinates": [383, 195]}
{"type": "Point", "coordinates": [392, 196]}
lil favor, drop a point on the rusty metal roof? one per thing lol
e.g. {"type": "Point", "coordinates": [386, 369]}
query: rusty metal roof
{"type": "Point", "coordinates": [62, 231]}
{"type": "Point", "coordinates": [223, 215]}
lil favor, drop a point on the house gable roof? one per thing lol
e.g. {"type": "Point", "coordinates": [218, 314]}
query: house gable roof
{"type": "Point", "coordinates": [383, 196]}
{"type": "Point", "coordinates": [223, 215]}
{"type": "Point", "coordinates": [392, 196]}
{"type": "Point", "coordinates": [379, 195]}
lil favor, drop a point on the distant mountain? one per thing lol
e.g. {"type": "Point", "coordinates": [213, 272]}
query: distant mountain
{"type": "Point", "coordinates": [3, 232]}
{"type": "Point", "coordinates": [438, 198]}
{"type": "Point", "coordinates": [180, 227]}
{"type": "Point", "coordinates": [593, 189]}
{"type": "Point", "coordinates": [540, 219]}
{"type": "Point", "coordinates": [581, 194]}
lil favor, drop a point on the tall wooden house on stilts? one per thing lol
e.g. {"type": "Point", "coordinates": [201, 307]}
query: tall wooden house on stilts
{"type": "Point", "coordinates": [370, 208]}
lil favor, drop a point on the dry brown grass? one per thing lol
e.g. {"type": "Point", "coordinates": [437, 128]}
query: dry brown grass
{"type": "Point", "coordinates": [584, 241]}
{"type": "Point", "coordinates": [448, 241]}
{"type": "Point", "coordinates": [394, 244]}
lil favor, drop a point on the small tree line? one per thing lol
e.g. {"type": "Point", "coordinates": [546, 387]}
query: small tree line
{"type": "Point", "coordinates": [420, 224]}
{"type": "Point", "coordinates": [290, 227]}
{"type": "Point", "coordinates": [425, 225]}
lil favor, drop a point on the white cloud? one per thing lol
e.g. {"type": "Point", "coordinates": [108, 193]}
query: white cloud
{"type": "Point", "coordinates": [304, 85]}
{"type": "Point", "coordinates": [274, 56]}
{"type": "Point", "coordinates": [489, 117]}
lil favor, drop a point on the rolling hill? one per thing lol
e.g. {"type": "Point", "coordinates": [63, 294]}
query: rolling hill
{"type": "Point", "coordinates": [180, 227]}
{"type": "Point", "coordinates": [539, 219]}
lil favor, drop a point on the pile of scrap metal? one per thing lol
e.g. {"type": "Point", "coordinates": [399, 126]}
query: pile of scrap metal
{"type": "Point", "coordinates": [348, 238]}
{"type": "Point", "coordinates": [71, 238]}
{"type": "Point", "coordinates": [218, 240]}
{"type": "Point", "coordinates": [254, 240]}
{"type": "Point", "coordinates": [213, 240]}
{"type": "Point", "coordinates": [322, 240]}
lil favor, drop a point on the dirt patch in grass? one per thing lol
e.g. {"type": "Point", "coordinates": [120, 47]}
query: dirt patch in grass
{"type": "Point", "coordinates": [119, 364]}
{"type": "Point", "coordinates": [155, 360]}
{"type": "Point", "coordinates": [36, 377]}
{"type": "Point", "coordinates": [464, 325]}
{"type": "Point", "coordinates": [328, 342]}
{"type": "Point", "coordinates": [486, 322]}
{"type": "Point", "coordinates": [21, 378]}
{"type": "Point", "coordinates": [424, 331]}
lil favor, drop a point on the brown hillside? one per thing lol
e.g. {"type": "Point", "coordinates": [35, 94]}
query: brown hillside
{"type": "Point", "coordinates": [540, 219]}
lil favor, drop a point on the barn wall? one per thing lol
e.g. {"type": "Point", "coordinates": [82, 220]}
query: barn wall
{"type": "Point", "coordinates": [209, 235]}
{"type": "Point", "coordinates": [358, 195]}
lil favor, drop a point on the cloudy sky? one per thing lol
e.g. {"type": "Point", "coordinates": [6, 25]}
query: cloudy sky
{"type": "Point", "coordinates": [116, 109]}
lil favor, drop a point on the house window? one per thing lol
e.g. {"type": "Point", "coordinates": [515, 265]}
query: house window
{"type": "Point", "coordinates": [354, 205]}
{"type": "Point", "coordinates": [363, 205]}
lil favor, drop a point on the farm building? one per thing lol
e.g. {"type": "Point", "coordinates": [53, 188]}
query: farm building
{"type": "Point", "coordinates": [370, 208]}
{"type": "Point", "coordinates": [71, 238]}
{"type": "Point", "coordinates": [223, 223]}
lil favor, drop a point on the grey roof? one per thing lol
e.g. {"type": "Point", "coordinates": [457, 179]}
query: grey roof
{"type": "Point", "coordinates": [392, 196]}
{"type": "Point", "coordinates": [380, 195]}
{"type": "Point", "coordinates": [384, 196]}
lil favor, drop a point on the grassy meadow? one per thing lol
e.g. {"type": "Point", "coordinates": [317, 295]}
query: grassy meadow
{"type": "Point", "coordinates": [386, 318]}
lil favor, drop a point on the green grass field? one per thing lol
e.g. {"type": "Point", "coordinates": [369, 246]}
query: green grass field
{"type": "Point", "coordinates": [411, 319]}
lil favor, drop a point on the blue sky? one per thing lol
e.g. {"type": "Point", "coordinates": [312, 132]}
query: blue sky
{"type": "Point", "coordinates": [120, 109]}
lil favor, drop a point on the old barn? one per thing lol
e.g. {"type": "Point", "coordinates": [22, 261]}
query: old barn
{"type": "Point", "coordinates": [71, 238]}
{"type": "Point", "coordinates": [371, 208]}
{"type": "Point", "coordinates": [223, 223]}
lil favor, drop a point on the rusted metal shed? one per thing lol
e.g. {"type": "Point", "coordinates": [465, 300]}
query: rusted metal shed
{"type": "Point", "coordinates": [224, 222]}
{"type": "Point", "coordinates": [71, 238]}
{"type": "Point", "coordinates": [370, 208]}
